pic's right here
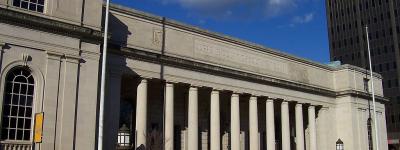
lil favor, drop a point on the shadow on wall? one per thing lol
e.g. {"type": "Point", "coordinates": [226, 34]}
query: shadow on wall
{"type": "Point", "coordinates": [119, 31]}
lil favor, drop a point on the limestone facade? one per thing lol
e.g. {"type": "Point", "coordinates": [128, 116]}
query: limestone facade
{"type": "Point", "coordinates": [174, 86]}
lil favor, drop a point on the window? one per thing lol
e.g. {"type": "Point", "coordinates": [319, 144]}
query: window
{"type": "Point", "coordinates": [387, 66]}
{"type": "Point", "coordinates": [17, 105]}
{"type": "Point", "coordinates": [33, 5]}
{"type": "Point", "coordinates": [392, 118]}
{"type": "Point", "coordinates": [398, 99]}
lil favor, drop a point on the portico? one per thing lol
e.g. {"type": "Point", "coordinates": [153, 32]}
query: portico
{"type": "Point", "coordinates": [194, 90]}
{"type": "Point", "coordinates": [169, 86]}
{"type": "Point", "coordinates": [198, 112]}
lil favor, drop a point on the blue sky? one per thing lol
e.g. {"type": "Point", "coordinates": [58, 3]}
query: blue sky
{"type": "Point", "coordinates": [297, 27]}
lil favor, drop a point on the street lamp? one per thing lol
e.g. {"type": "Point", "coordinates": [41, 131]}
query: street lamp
{"type": "Point", "coordinates": [124, 136]}
{"type": "Point", "coordinates": [339, 145]}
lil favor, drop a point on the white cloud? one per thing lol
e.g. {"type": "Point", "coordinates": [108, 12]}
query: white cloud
{"type": "Point", "coordinates": [303, 19]}
{"type": "Point", "coordinates": [277, 7]}
{"type": "Point", "coordinates": [237, 8]}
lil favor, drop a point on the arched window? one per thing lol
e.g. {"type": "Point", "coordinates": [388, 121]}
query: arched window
{"type": "Point", "coordinates": [17, 105]}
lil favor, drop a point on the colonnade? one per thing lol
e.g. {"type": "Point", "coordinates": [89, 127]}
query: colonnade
{"type": "Point", "coordinates": [215, 137]}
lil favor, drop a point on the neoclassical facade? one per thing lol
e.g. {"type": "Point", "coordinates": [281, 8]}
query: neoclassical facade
{"type": "Point", "coordinates": [169, 86]}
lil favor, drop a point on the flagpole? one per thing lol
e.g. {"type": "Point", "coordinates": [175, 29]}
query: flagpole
{"type": "Point", "coordinates": [373, 91]}
{"type": "Point", "coordinates": [103, 80]}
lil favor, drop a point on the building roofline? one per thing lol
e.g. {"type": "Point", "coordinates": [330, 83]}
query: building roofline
{"type": "Point", "coordinates": [191, 28]}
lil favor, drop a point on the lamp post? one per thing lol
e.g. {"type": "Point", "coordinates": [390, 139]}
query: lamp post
{"type": "Point", "coordinates": [103, 80]}
{"type": "Point", "coordinates": [339, 145]}
{"type": "Point", "coordinates": [124, 137]}
{"type": "Point", "coordinates": [372, 90]}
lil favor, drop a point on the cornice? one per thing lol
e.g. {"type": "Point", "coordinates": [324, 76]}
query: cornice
{"type": "Point", "coordinates": [48, 25]}
{"type": "Point", "coordinates": [230, 73]}
{"type": "Point", "coordinates": [361, 94]}
{"type": "Point", "coordinates": [190, 28]}
{"type": "Point", "coordinates": [359, 69]}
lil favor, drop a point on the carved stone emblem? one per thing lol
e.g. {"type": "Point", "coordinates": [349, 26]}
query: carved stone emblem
{"type": "Point", "coordinates": [157, 37]}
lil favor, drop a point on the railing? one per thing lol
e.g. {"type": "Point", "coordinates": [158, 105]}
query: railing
{"type": "Point", "coordinates": [15, 145]}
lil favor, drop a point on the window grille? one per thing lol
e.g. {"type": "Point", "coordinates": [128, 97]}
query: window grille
{"type": "Point", "coordinates": [17, 105]}
{"type": "Point", "coordinates": [32, 5]}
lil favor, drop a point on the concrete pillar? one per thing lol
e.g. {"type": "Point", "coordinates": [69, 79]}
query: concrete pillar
{"type": "Point", "coordinates": [270, 118]}
{"type": "Point", "coordinates": [253, 123]}
{"type": "Point", "coordinates": [299, 127]}
{"type": "Point", "coordinates": [235, 122]}
{"type": "Point", "coordinates": [193, 119]}
{"type": "Point", "coordinates": [111, 115]}
{"type": "Point", "coordinates": [322, 124]}
{"type": "Point", "coordinates": [312, 128]}
{"type": "Point", "coordinates": [285, 125]}
{"type": "Point", "coordinates": [215, 138]}
{"type": "Point", "coordinates": [169, 117]}
{"type": "Point", "coordinates": [141, 113]}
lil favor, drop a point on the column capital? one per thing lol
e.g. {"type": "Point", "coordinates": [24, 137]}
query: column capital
{"type": "Point", "coordinates": [235, 95]}
{"type": "Point", "coordinates": [193, 88]}
{"type": "Point", "coordinates": [169, 84]}
{"type": "Point", "coordinates": [215, 91]}
{"type": "Point", "coordinates": [270, 100]}
{"type": "Point", "coordinates": [253, 98]}
{"type": "Point", "coordinates": [143, 80]}
{"type": "Point", "coordinates": [285, 102]}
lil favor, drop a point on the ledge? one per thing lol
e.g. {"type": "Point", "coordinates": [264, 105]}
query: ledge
{"type": "Point", "coordinates": [361, 94]}
{"type": "Point", "coordinates": [48, 25]}
{"type": "Point", "coordinates": [230, 73]}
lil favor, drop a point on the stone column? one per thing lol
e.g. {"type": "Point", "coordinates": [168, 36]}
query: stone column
{"type": "Point", "coordinates": [312, 128]}
{"type": "Point", "coordinates": [253, 123]}
{"type": "Point", "coordinates": [141, 113]}
{"type": "Point", "coordinates": [111, 109]}
{"type": "Point", "coordinates": [285, 125]}
{"type": "Point", "coordinates": [299, 127]}
{"type": "Point", "coordinates": [215, 138]}
{"type": "Point", "coordinates": [235, 122]}
{"type": "Point", "coordinates": [169, 117]}
{"type": "Point", "coordinates": [322, 124]}
{"type": "Point", "coordinates": [193, 120]}
{"type": "Point", "coordinates": [270, 129]}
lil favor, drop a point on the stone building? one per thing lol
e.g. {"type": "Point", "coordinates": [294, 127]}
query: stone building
{"type": "Point", "coordinates": [169, 86]}
{"type": "Point", "coordinates": [347, 38]}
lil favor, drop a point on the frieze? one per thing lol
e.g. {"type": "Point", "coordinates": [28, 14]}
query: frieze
{"type": "Point", "coordinates": [226, 72]}
{"type": "Point", "coordinates": [235, 56]}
